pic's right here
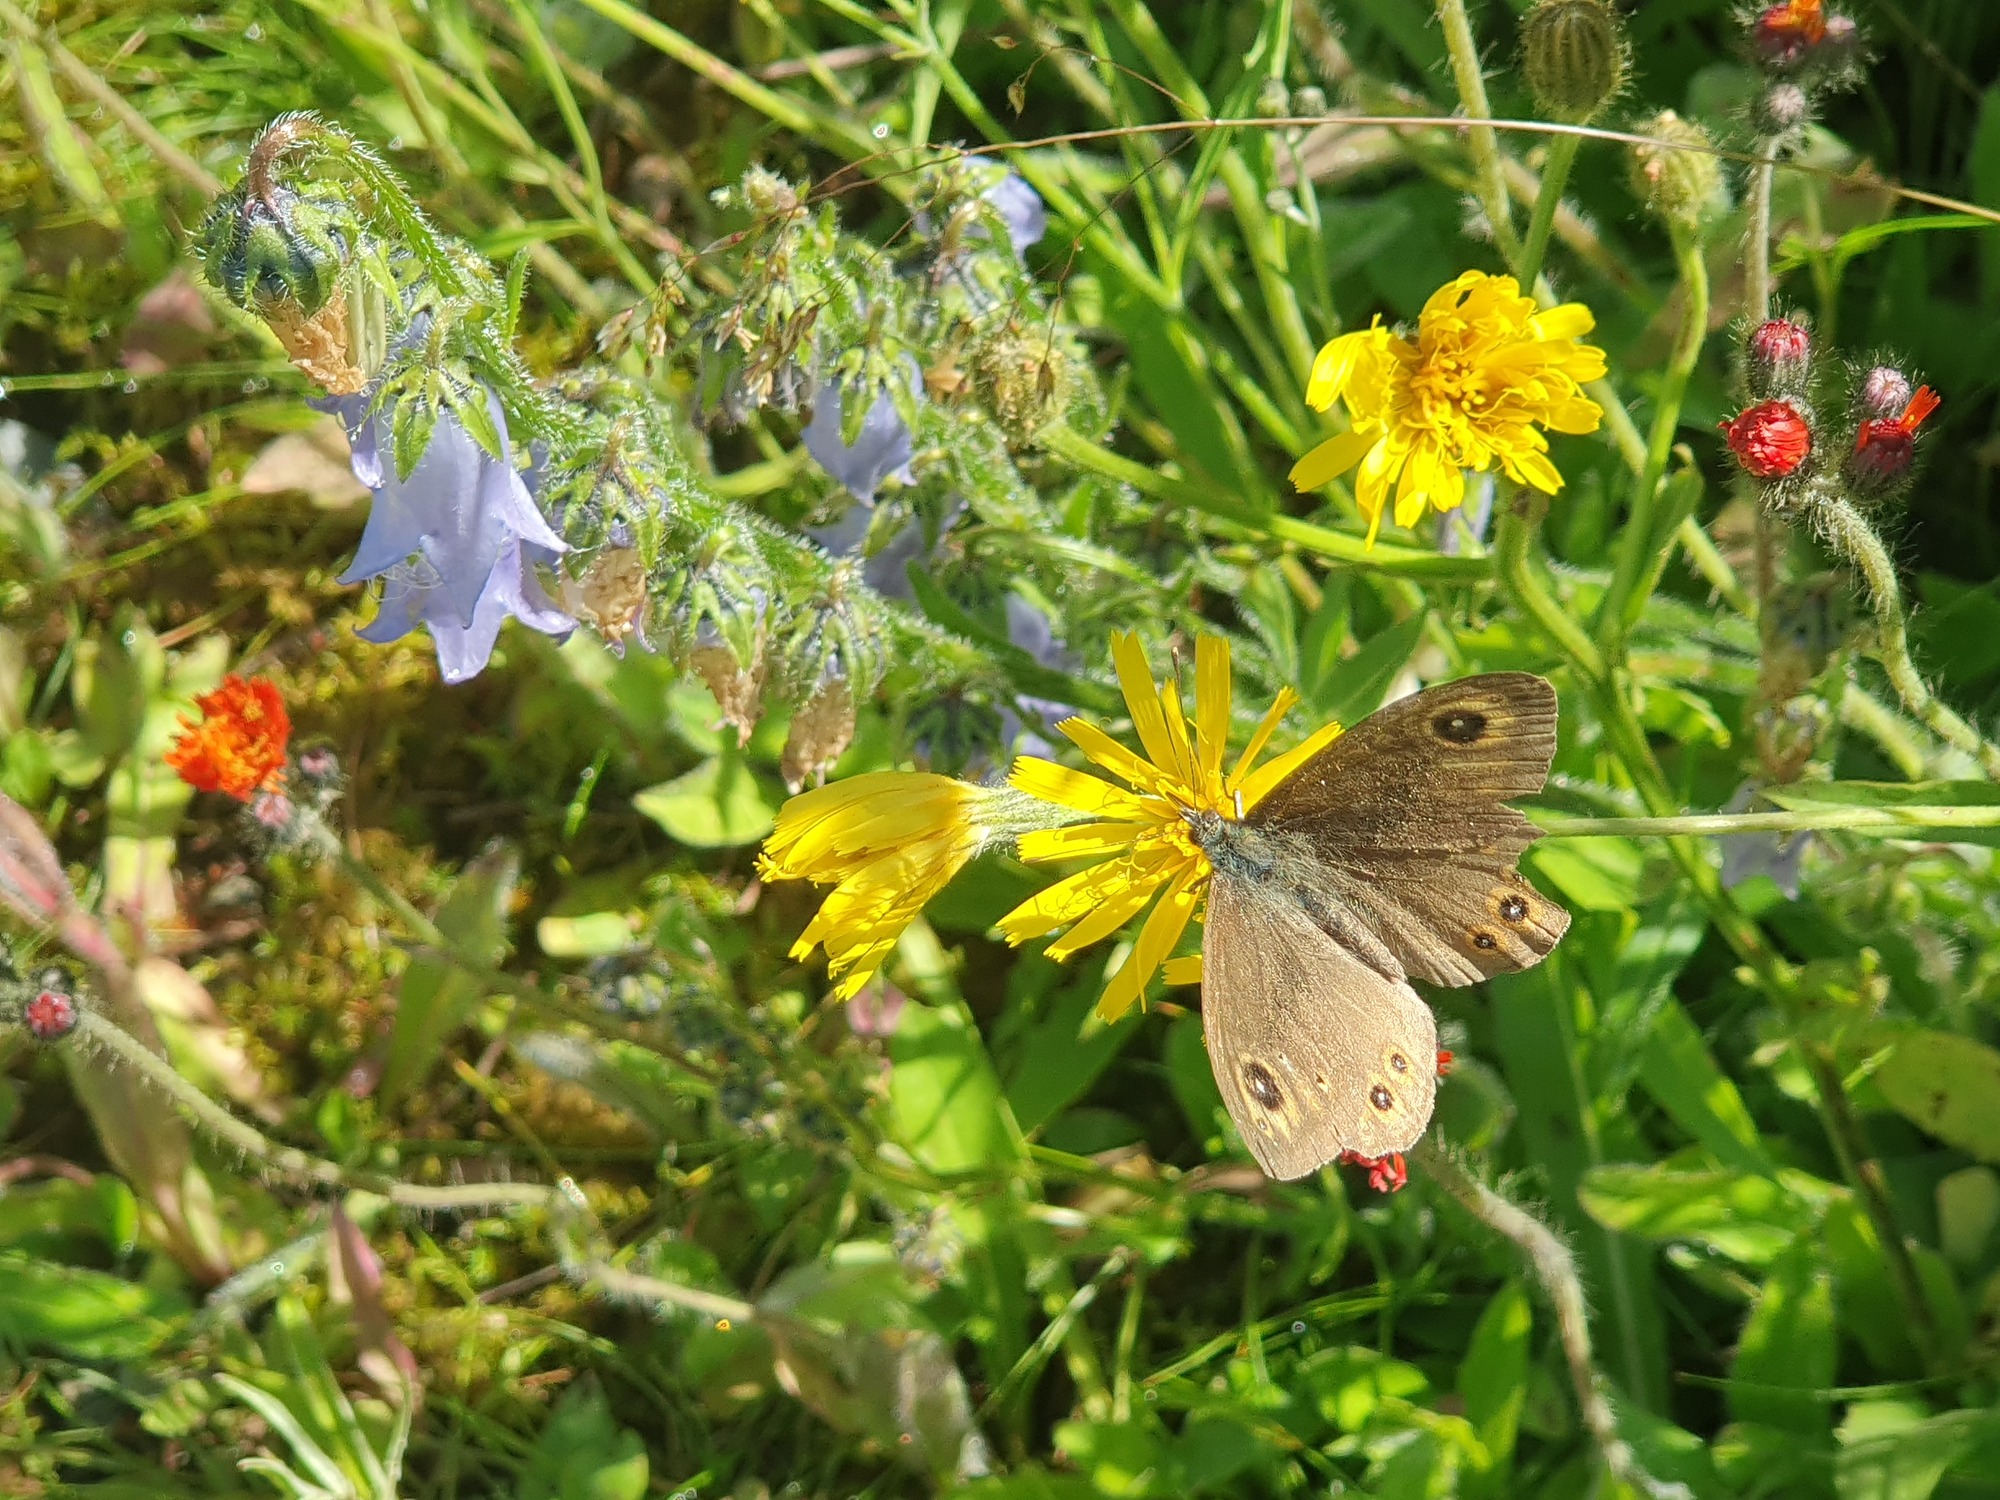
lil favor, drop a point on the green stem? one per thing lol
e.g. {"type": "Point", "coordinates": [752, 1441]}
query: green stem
{"type": "Point", "coordinates": [1642, 543]}
{"type": "Point", "coordinates": [1407, 562]}
{"type": "Point", "coordinates": [1848, 531]}
{"type": "Point", "coordinates": [1899, 821]}
{"type": "Point", "coordinates": [1513, 547]}
{"type": "Point", "coordinates": [1859, 1166]}
{"type": "Point", "coordinates": [1463, 50]}
{"type": "Point", "coordinates": [1548, 198]}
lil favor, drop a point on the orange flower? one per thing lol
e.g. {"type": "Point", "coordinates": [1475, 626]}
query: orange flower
{"type": "Point", "coordinates": [239, 746]}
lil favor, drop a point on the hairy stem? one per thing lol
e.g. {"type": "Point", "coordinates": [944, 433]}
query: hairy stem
{"type": "Point", "coordinates": [1463, 50]}
{"type": "Point", "coordinates": [1556, 1272]}
{"type": "Point", "coordinates": [98, 1031]}
{"type": "Point", "coordinates": [1848, 531]}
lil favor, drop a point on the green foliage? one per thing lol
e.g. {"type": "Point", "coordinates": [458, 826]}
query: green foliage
{"type": "Point", "coordinates": [958, 1237]}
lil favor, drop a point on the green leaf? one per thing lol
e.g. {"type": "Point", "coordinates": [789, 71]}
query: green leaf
{"type": "Point", "coordinates": [1748, 1217]}
{"type": "Point", "coordinates": [583, 1453]}
{"type": "Point", "coordinates": [720, 804]}
{"type": "Point", "coordinates": [1950, 1085]}
{"type": "Point", "coordinates": [1783, 1373]}
{"type": "Point", "coordinates": [436, 995]}
{"type": "Point", "coordinates": [1895, 1450]}
{"type": "Point", "coordinates": [1678, 1072]}
{"type": "Point", "coordinates": [1354, 689]}
{"type": "Point", "coordinates": [1064, 1052]}
{"type": "Point", "coordinates": [945, 1100]}
{"type": "Point", "coordinates": [1493, 1377]}
{"type": "Point", "coordinates": [1596, 874]}
{"type": "Point", "coordinates": [80, 1313]}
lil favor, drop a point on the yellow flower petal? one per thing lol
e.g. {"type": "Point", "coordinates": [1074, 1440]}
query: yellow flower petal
{"type": "Point", "coordinates": [1142, 701]}
{"type": "Point", "coordinates": [1163, 929]}
{"type": "Point", "coordinates": [1211, 709]}
{"type": "Point", "coordinates": [1487, 373]}
{"type": "Point", "coordinates": [1259, 784]}
{"type": "Point", "coordinates": [1280, 706]}
{"type": "Point", "coordinates": [1114, 757]}
{"type": "Point", "coordinates": [1332, 367]}
{"type": "Point", "coordinates": [1072, 788]}
{"type": "Point", "coordinates": [1181, 971]}
{"type": "Point", "coordinates": [1077, 841]}
{"type": "Point", "coordinates": [1333, 458]}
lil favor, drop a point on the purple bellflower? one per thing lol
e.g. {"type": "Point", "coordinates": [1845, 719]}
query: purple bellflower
{"type": "Point", "coordinates": [881, 451]}
{"type": "Point", "coordinates": [456, 541]}
{"type": "Point", "coordinates": [1020, 208]}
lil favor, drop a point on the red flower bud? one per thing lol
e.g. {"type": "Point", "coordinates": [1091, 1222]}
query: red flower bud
{"type": "Point", "coordinates": [1771, 439]}
{"type": "Point", "coordinates": [1780, 357]}
{"type": "Point", "coordinates": [1444, 1061]}
{"type": "Point", "coordinates": [1386, 1174]}
{"type": "Point", "coordinates": [1783, 33]}
{"type": "Point", "coordinates": [51, 1016]}
{"type": "Point", "coordinates": [1884, 447]}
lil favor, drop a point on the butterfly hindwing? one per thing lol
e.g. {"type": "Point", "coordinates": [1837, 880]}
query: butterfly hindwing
{"type": "Point", "coordinates": [1315, 1052]}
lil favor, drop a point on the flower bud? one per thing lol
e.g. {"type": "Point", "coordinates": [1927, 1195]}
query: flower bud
{"type": "Point", "coordinates": [1273, 99]}
{"type": "Point", "coordinates": [1677, 174]}
{"type": "Point", "coordinates": [1780, 109]}
{"type": "Point", "coordinates": [1779, 359]}
{"type": "Point", "coordinates": [1772, 440]}
{"type": "Point", "coordinates": [1885, 391]}
{"type": "Point", "coordinates": [1886, 447]}
{"type": "Point", "coordinates": [50, 1013]}
{"type": "Point", "coordinates": [1309, 101]}
{"type": "Point", "coordinates": [1782, 34]}
{"type": "Point", "coordinates": [1574, 55]}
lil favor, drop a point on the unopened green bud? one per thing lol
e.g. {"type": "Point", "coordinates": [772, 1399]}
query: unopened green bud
{"type": "Point", "coordinates": [1575, 58]}
{"type": "Point", "coordinates": [1024, 377]}
{"type": "Point", "coordinates": [1677, 174]}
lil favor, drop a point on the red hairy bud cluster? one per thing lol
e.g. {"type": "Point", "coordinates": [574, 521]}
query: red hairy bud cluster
{"type": "Point", "coordinates": [1799, 36]}
{"type": "Point", "coordinates": [1772, 440]}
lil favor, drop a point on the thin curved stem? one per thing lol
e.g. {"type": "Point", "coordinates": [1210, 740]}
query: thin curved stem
{"type": "Point", "coordinates": [1556, 1272]}
{"type": "Point", "coordinates": [1850, 534]}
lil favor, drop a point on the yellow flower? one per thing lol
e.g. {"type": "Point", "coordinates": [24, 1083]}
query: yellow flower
{"type": "Point", "coordinates": [1137, 833]}
{"type": "Point", "coordinates": [1487, 370]}
{"type": "Point", "coordinates": [886, 842]}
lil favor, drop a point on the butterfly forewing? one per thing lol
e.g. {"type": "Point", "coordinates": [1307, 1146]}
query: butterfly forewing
{"type": "Point", "coordinates": [1314, 1051]}
{"type": "Point", "coordinates": [1405, 823]}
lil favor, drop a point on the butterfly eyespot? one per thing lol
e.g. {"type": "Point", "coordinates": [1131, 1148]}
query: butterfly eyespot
{"type": "Point", "coordinates": [1513, 909]}
{"type": "Point", "coordinates": [1381, 1098]}
{"type": "Point", "coordinates": [1461, 726]}
{"type": "Point", "coordinates": [1262, 1087]}
{"type": "Point", "coordinates": [1486, 942]}
{"type": "Point", "coordinates": [1399, 1062]}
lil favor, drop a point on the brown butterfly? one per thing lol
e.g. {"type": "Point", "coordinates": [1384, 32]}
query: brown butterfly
{"type": "Point", "coordinates": [1390, 855]}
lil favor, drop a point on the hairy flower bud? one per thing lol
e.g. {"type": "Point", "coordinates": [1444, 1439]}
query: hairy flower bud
{"type": "Point", "coordinates": [1677, 174]}
{"type": "Point", "coordinates": [1772, 440]}
{"type": "Point", "coordinates": [1779, 361]}
{"type": "Point", "coordinates": [1885, 391]}
{"type": "Point", "coordinates": [1799, 39]}
{"type": "Point", "coordinates": [50, 1013]}
{"type": "Point", "coordinates": [1574, 55]}
{"type": "Point", "coordinates": [1780, 109]}
{"type": "Point", "coordinates": [1886, 447]}
{"type": "Point", "coordinates": [1023, 377]}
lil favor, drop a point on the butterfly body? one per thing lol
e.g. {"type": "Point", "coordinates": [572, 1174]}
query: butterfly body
{"type": "Point", "coordinates": [1390, 855]}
